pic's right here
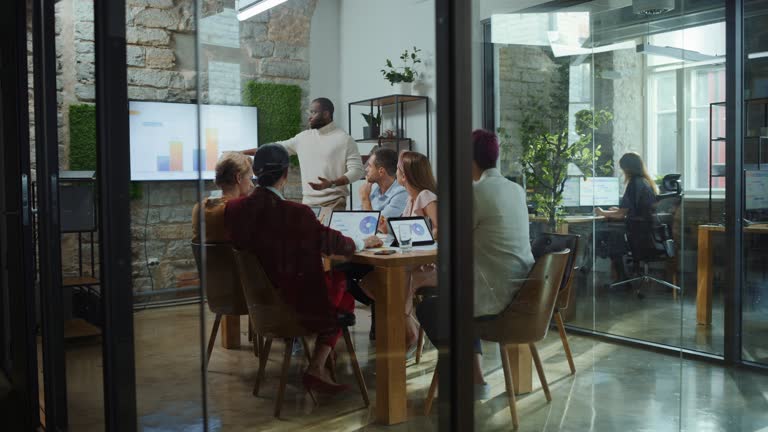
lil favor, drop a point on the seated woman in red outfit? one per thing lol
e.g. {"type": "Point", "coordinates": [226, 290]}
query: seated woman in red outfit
{"type": "Point", "coordinates": [289, 242]}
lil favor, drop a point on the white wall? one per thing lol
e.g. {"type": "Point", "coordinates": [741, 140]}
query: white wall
{"type": "Point", "coordinates": [371, 32]}
{"type": "Point", "coordinates": [324, 53]}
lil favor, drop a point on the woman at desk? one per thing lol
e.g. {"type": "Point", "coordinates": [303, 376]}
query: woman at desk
{"type": "Point", "coordinates": [414, 172]}
{"type": "Point", "coordinates": [638, 202]}
{"type": "Point", "coordinates": [233, 177]}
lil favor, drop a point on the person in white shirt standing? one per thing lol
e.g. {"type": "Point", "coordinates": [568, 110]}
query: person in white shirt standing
{"type": "Point", "coordinates": [328, 156]}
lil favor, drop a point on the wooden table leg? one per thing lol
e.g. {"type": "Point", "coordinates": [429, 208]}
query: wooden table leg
{"type": "Point", "coordinates": [520, 362]}
{"type": "Point", "coordinates": [391, 397]}
{"type": "Point", "coordinates": [230, 331]}
{"type": "Point", "coordinates": [704, 278]}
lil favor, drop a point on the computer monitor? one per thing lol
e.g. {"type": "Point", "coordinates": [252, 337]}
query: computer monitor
{"type": "Point", "coordinates": [599, 191]}
{"type": "Point", "coordinates": [570, 195]}
{"type": "Point", "coordinates": [756, 194]}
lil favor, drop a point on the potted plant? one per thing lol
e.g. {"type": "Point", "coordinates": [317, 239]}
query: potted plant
{"type": "Point", "coordinates": [547, 152]}
{"type": "Point", "coordinates": [406, 74]}
{"type": "Point", "coordinates": [374, 125]}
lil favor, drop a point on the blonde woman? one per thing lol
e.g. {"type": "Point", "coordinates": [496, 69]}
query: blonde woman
{"type": "Point", "coordinates": [234, 177]}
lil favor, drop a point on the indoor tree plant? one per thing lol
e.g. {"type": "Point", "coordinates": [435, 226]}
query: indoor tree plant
{"type": "Point", "coordinates": [547, 153]}
{"type": "Point", "coordinates": [405, 74]}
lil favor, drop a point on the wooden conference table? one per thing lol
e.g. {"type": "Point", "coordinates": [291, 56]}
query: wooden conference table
{"type": "Point", "coordinates": [704, 268]}
{"type": "Point", "coordinates": [392, 278]}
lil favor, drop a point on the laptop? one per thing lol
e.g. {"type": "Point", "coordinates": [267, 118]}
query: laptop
{"type": "Point", "coordinates": [421, 233]}
{"type": "Point", "coordinates": [323, 214]}
{"type": "Point", "coordinates": [356, 224]}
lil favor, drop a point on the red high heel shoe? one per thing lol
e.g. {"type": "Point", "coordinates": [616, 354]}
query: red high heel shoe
{"type": "Point", "coordinates": [312, 382]}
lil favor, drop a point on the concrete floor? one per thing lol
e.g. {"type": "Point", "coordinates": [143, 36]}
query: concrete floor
{"type": "Point", "coordinates": [616, 388]}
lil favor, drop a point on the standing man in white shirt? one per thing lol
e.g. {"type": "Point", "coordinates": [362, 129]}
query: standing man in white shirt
{"type": "Point", "coordinates": [328, 156]}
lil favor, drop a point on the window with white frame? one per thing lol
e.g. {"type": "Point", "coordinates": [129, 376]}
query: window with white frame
{"type": "Point", "coordinates": [679, 97]}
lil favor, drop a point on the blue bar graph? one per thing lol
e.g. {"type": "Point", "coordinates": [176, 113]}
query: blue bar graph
{"type": "Point", "coordinates": [163, 163]}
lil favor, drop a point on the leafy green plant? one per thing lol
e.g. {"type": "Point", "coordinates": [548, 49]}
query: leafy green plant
{"type": "Point", "coordinates": [407, 72]}
{"type": "Point", "coordinates": [547, 153]}
{"type": "Point", "coordinates": [279, 110]}
{"type": "Point", "coordinates": [373, 121]}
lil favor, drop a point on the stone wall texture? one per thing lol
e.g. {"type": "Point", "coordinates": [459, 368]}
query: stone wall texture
{"type": "Point", "coordinates": [164, 65]}
{"type": "Point", "coordinates": [526, 73]}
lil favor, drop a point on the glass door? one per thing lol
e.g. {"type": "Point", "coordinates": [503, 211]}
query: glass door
{"type": "Point", "coordinates": [755, 186]}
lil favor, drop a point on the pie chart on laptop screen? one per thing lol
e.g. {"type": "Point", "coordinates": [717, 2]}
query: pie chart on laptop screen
{"type": "Point", "coordinates": [417, 229]}
{"type": "Point", "coordinates": [368, 225]}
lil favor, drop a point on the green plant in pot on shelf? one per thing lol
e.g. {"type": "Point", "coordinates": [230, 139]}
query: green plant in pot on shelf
{"type": "Point", "coordinates": [374, 125]}
{"type": "Point", "coordinates": [406, 74]}
{"type": "Point", "coordinates": [547, 154]}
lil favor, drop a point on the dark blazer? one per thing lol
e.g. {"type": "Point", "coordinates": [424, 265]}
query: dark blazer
{"type": "Point", "coordinates": [289, 242]}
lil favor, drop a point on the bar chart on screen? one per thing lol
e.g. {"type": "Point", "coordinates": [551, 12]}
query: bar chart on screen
{"type": "Point", "coordinates": [167, 144]}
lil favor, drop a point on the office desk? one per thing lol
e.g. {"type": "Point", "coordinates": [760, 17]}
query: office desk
{"type": "Point", "coordinates": [563, 227]}
{"type": "Point", "coordinates": [704, 269]}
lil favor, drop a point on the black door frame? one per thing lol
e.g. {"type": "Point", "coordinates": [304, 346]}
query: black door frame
{"type": "Point", "coordinates": [455, 269]}
{"type": "Point", "coordinates": [49, 239]}
{"type": "Point", "coordinates": [734, 167]}
{"type": "Point", "coordinates": [114, 176]}
{"type": "Point", "coordinates": [18, 355]}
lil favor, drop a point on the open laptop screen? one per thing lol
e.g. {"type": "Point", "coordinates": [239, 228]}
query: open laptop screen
{"type": "Point", "coordinates": [355, 224]}
{"type": "Point", "coordinates": [421, 234]}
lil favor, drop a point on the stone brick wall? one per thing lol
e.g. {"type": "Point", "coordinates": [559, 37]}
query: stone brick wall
{"type": "Point", "coordinates": [161, 59]}
{"type": "Point", "coordinates": [525, 73]}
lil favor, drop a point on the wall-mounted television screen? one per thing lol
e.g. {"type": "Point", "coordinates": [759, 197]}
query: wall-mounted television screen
{"type": "Point", "coordinates": [166, 143]}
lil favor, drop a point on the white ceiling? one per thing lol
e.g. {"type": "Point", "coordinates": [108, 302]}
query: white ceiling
{"type": "Point", "coordinates": [490, 7]}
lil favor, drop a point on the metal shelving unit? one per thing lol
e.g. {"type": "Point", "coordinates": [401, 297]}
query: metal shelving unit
{"type": "Point", "coordinates": [401, 104]}
{"type": "Point", "coordinates": [755, 139]}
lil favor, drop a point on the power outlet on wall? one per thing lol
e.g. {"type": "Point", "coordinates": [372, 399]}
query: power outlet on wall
{"type": "Point", "coordinates": [153, 262]}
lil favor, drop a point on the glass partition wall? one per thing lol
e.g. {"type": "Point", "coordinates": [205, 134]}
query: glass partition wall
{"type": "Point", "coordinates": [755, 186]}
{"type": "Point", "coordinates": [622, 85]}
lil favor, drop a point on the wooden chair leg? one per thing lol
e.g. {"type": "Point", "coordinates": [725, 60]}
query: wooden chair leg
{"type": "Point", "coordinates": [283, 376]}
{"type": "Point", "coordinates": [307, 353]}
{"type": "Point", "coordinates": [330, 364]}
{"type": "Point", "coordinates": [356, 366]}
{"type": "Point", "coordinates": [509, 384]}
{"type": "Point", "coordinates": [420, 345]}
{"type": "Point", "coordinates": [256, 348]}
{"type": "Point", "coordinates": [212, 339]}
{"type": "Point", "coordinates": [564, 339]}
{"type": "Point", "coordinates": [540, 371]}
{"type": "Point", "coordinates": [431, 393]}
{"type": "Point", "coordinates": [262, 365]}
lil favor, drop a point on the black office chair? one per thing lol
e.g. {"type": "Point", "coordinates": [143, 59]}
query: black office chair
{"type": "Point", "coordinates": [650, 240]}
